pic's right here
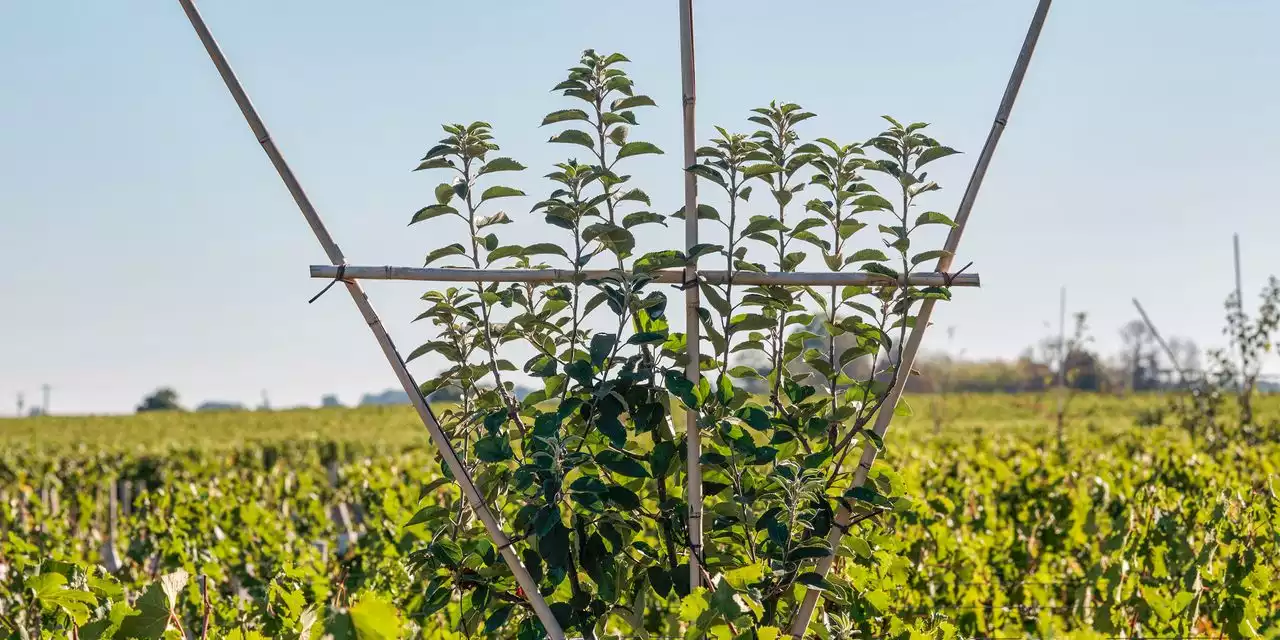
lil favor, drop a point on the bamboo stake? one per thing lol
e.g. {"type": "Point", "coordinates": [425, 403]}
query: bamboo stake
{"type": "Point", "coordinates": [362, 303]}
{"type": "Point", "coordinates": [675, 276]}
{"type": "Point", "coordinates": [800, 622]}
{"type": "Point", "coordinates": [693, 332]}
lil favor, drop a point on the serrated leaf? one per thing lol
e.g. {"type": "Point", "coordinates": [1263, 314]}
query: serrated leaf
{"type": "Point", "coordinates": [435, 163]}
{"type": "Point", "coordinates": [814, 581]}
{"type": "Point", "coordinates": [435, 210]}
{"type": "Point", "coordinates": [642, 217]}
{"type": "Point", "coordinates": [934, 153]}
{"type": "Point", "coordinates": [375, 619]}
{"type": "Point", "coordinates": [564, 115]}
{"type": "Point", "coordinates": [873, 201]}
{"type": "Point", "coordinates": [762, 169]}
{"type": "Point", "coordinates": [630, 102]}
{"type": "Point", "coordinates": [637, 148]}
{"type": "Point", "coordinates": [933, 217]}
{"type": "Point", "coordinates": [454, 249]}
{"type": "Point", "coordinates": [864, 255]}
{"type": "Point", "coordinates": [500, 192]}
{"type": "Point", "coordinates": [621, 464]}
{"type": "Point", "coordinates": [545, 248]}
{"type": "Point", "coordinates": [500, 164]}
{"type": "Point", "coordinates": [573, 136]}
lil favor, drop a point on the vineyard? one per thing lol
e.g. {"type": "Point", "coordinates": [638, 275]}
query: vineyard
{"type": "Point", "coordinates": [294, 524]}
{"type": "Point", "coordinates": [717, 467]}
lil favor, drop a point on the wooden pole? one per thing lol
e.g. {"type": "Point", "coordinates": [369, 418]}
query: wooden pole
{"type": "Point", "coordinates": [692, 296]}
{"type": "Point", "coordinates": [800, 622]}
{"type": "Point", "coordinates": [673, 276]}
{"type": "Point", "coordinates": [500, 540]}
{"type": "Point", "coordinates": [1244, 375]}
{"type": "Point", "coordinates": [1062, 350]}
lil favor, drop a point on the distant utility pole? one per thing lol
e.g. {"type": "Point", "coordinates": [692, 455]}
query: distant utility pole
{"type": "Point", "coordinates": [1062, 343]}
{"type": "Point", "coordinates": [1244, 376]}
{"type": "Point", "coordinates": [45, 389]}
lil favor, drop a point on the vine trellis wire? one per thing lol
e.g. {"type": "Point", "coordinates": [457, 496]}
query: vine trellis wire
{"type": "Point", "coordinates": [349, 276]}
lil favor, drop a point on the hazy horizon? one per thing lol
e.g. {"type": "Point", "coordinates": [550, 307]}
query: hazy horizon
{"type": "Point", "coordinates": [151, 244]}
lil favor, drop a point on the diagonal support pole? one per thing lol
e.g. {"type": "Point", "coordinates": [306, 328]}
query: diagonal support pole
{"type": "Point", "coordinates": [800, 623]}
{"type": "Point", "coordinates": [358, 296]}
{"type": "Point", "coordinates": [692, 295]}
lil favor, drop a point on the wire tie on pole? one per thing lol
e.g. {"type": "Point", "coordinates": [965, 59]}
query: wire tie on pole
{"type": "Point", "coordinates": [949, 278]}
{"type": "Point", "coordinates": [342, 270]}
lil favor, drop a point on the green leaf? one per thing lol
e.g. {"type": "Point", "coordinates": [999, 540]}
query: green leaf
{"type": "Point", "coordinates": [493, 449]}
{"type": "Point", "coordinates": [499, 192]}
{"type": "Point", "coordinates": [642, 217]}
{"type": "Point", "coordinates": [444, 193]}
{"type": "Point", "coordinates": [441, 149]}
{"type": "Point", "coordinates": [868, 254]}
{"type": "Point", "coordinates": [630, 102]}
{"type": "Point", "coordinates": [498, 619]}
{"type": "Point", "coordinates": [500, 164]}
{"type": "Point", "coordinates": [508, 251]}
{"type": "Point", "coordinates": [637, 148]}
{"type": "Point", "coordinates": [705, 212]}
{"type": "Point", "coordinates": [433, 211]}
{"type": "Point", "coordinates": [902, 410]}
{"type": "Point", "coordinates": [621, 464]}
{"type": "Point", "coordinates": [878, 599]}
{"type": "Point", "coordinates": [661, 457]}
{"type": "Point", "coordinates": [875, 438]}
{"type": "Point", "coordinates": [814, 581]}
{"type": "Point", "coordinates": [934, 153]}
{"type": "Point", "coordinates": [446, 551]}
{"type": "Point", "coordinates": [659, 260]}
{"type": "Point", "coordinates": [375, 619]}
{"type": "Point", "coordinates": [610, 236]}
{"type": "Point", "coordinates": [743, 577]}
{"type": "Point", "coordinates": [573, 136]}
{"type": "Point", "coordinates": [762, 169]}
{"type": "Point", "coordinates": [755, 417]}
{"type": "Point", "coordinates": [860, 547]}
{"type": "Point", "coordinates": [152, 617]}
{"type": "Point", "coordinates": [763, 223]}
{"type": "Point", "coordinates": [873, 201]}
{"type": "Point", "coordinates": [694, 605]}
{"type": "Point", "coordinates": [589, 484]}
{"type": "Point", "coordinates": [435, 163]}
{"type": "Point", "coordinates": [426, 514]}
{"type": "Point", "coordinates": [811, 552]}
{"type": "Point", "coordinates": [933, 217]}
{"type": "Point", "coordinates": [454, 249]}
{"type": "Point", "coordinates": [564, 115]}
{"type": "Point", "coordinates": [544, 248]}
{"type": "Point", "coordinates": [601, 346]}
{"type": "Point", "coordinates": [879, 269]}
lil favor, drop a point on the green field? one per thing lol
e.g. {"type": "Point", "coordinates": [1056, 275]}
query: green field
{"type": "Point", "coordinates": [1127, 532]}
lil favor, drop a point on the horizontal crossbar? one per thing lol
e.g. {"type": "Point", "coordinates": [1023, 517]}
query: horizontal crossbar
{"type": "Point", "coordinates": [795, 278]}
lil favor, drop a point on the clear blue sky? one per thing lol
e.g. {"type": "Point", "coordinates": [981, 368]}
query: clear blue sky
{"type": "Point", "coordinates": [146, 240]}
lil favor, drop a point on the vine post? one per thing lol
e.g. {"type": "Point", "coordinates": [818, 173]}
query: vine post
{"type": "Point", "coordinates": [335, 255]}
{"type": "Point", "coordinates": [800, 623]}
{"type": "Point", "coordinates": [691, 291]}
